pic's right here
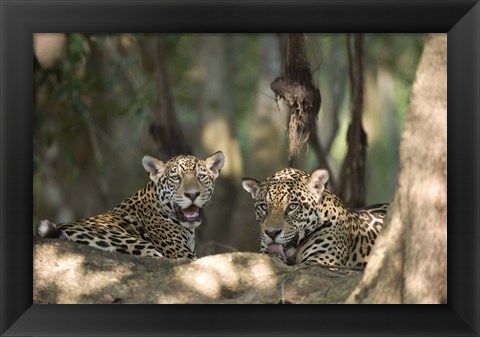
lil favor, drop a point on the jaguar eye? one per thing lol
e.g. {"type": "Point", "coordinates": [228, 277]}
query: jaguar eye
{"type": "Point", "coordinates": [291, 207]}
{"type": "Point", "coordinates": [260, 211]}
{"type": "Point", "coordinates": [175, 177]}
{"type": "Point", "coordinates": [201, 176]}
{"type": "Point", "coordinates": [262, 207]}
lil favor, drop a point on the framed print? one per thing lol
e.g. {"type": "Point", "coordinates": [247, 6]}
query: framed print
{"type": "Point", "coordinates": [20, 20]}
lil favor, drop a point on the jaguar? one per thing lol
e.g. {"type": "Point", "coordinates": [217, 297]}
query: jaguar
{"type": "Point", "coordinates": [159, 220]}
{"type": "Point", "coordinates": [304, 222]}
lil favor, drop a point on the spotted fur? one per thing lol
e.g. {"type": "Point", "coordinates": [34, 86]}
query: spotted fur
{"type": "Point", "coordinates": [159, 220]}
{"type": "Point", "coordinates": [301, 221]}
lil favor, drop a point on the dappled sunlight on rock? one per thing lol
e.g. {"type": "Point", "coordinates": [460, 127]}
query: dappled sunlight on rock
{"type": "Point", "coordinates": [263, 274]}
{"type": "Point", "coordinates": [66, 269]}
{"type": "Point", "coordinates": [65, 272]}
{"type": "Point", "coordinates": [222, 268]}
{"type": "Point", "coordinates": [212, 275]}
{"type": "Point", "coordinates": [202, 281]}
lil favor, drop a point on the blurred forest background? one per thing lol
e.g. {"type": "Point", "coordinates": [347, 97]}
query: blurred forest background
{"type": "Point", "coordinates": [103, 101]}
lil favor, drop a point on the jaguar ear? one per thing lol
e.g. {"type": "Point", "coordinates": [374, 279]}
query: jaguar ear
{"type": "Point", "coordinates": [153, 166]}
{"type": "Point", "coordinates": [215, 163]}
{"type": "Point", "coordinates": [317, 181]}
{"type": "Point", "coordinates": [252, 186]}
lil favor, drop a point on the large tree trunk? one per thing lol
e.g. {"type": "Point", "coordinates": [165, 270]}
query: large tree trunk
{"type": "Point", "coordinates": [409, 263]}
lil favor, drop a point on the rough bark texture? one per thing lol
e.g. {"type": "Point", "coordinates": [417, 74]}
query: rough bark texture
{"type": "Point", "coordinates": [65, 272]}
{"type": "Point", "coordinates": [409, 263]}
{"type": "Point", "coordinates": [352, 175]}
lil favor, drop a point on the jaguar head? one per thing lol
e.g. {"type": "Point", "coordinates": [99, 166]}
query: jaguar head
{"type": "Point", "coordinates": [287, 208]}
{"type": "Point", "coordinates": [185, 184]}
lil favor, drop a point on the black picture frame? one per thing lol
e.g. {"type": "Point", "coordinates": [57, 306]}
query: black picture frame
{"type": "Point", "coordinates": [20, 19]}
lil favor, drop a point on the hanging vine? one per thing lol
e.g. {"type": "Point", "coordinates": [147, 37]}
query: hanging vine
{"type": "Point", "coordinates": [294, 87]}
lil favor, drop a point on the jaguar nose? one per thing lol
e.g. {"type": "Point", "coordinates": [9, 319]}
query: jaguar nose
{"type": "Point", "coordinates": [192, 195]}
{"type": "Point", "coordinates": [273, 233]}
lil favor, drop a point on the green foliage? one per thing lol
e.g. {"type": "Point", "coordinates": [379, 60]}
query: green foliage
{"type": "Point", "coordinates": [399, 54]}
{"type": "Point", "coordinates": [63, 92]}
{"type": "Point", "coordinates": [246, 70]}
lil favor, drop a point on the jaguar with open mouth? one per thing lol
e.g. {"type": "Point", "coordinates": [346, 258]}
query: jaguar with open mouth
{"type": "Point", "coordinates": [159, 220]}
{"type": "Point", "coordinates": [303, 222]}
{"type": "Point", "coordinates": [192, 213]}
{"type": "Point", "coordinates": [284, 252]}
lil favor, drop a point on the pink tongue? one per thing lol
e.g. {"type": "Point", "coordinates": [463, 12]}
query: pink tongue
{"type": "Point", "coordinates": [276, 248]}
{"type": "Point", "coordinates": [190, 211]}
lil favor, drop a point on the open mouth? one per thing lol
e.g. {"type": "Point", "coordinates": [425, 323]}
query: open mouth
{"type": "Point", "coordinates": [280, 249]}
{"type": "Point", "coordinates": [190, 214]}
{"type": "Point", "coordinates": [277, 249]}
